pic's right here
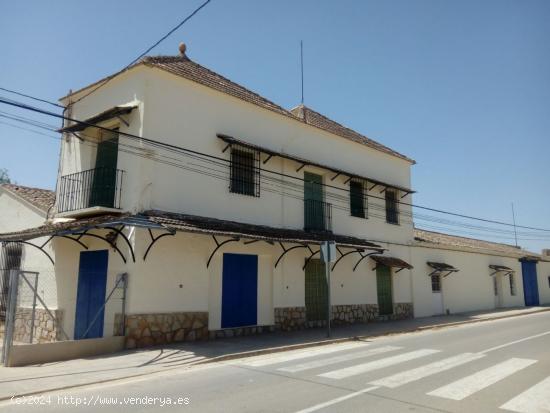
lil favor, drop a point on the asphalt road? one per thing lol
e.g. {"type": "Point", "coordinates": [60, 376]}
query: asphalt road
{"type": "Point", "coordinates": [495, 366]}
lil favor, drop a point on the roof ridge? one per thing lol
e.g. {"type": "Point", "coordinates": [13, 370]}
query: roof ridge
{"type": "Point", "coordinates": [470, 238]}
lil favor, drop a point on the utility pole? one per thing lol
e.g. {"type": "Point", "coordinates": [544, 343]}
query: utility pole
{"type": "Point", "coordinates": [328, 256]}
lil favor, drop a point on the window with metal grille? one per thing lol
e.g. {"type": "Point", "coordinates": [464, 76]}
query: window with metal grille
{"type": "Point", "coordinates": [11, 255]}
{"type": "Point", "coordinates": [436, 283]}
{"type": "Point", "coordinates": [513, 284]}
{"type": "Point", "coordinates": [392, 211]}
{"type": "Point", "coordinates": [357, 199]}
{"type": "Point", "coordinates": [495, 285]}
{"type": "Point", "coordinates": [245, 171]}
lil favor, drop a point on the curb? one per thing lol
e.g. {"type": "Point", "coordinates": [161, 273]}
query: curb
{"type": "Point", "coordinates": [271, 350]}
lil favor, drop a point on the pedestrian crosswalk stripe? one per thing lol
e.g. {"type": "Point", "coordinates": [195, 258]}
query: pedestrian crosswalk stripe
{"type": "Point", "coordinates": [301, 354]}
{"type": "Point", "coordinates": [409, 376]}
{"type": "Point", "coordinates": [337, 400]}
{"type": "Point", "coordinates": [377, 364]}
{"type": "Point", "coordinates": [338, 359]}
{"type": "Point", "coordinates": [534, 400]}
{"type": "Point", "coordinates": [469, 385]}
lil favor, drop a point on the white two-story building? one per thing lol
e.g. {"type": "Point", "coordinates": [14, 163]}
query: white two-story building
{"type": "Point", "coordinates": [189, 207]}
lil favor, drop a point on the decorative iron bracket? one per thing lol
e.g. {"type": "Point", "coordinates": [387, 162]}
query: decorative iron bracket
{"type": "Point", "coordinates": [342, 255]}
{"type": "Point", "coordinates": [287, 250]}
{"type": "Point", "coordinates": [363, 256]}
{"type": "Point", "coordinates": [266, 160]}
{"type": "Point", "coordinates": [74, 239]}
{"type": "Point", "coordinates": [218, 246]}
{"type": "Point", "coordinates": [119, 232]}
{"type": "Point", "coordinates": [86, 234]}
{"type": "Point", "coordinates": [40, 247]}
{"type": "Point", "coordinates": [155, 239]}
{"type": "Point", "coordinates": [308, 259]}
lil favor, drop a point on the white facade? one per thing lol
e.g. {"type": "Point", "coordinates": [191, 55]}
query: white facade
{"type": "Point", "coordinates": [173, 294]}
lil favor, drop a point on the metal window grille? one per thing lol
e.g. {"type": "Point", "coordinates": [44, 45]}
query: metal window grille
{"type": "Point", "coordinates": [513, 284]}
{"type": "Point", "coordinates": [357, 198]}
{"type": "Point", "coordinates": [318, 215]}
{"type": "Point", "coordinates": [10, 259]}
{"type": "Point", "coordinates": [436, 283]}
{"type": "Point", "coordinates": [100, 186]}
{"type": "Point", "coordinates": [495, 285]}
{"type": "Point", "coordinates": [392, 211]}
{"type": "Point", "coordinates": [245, 171]}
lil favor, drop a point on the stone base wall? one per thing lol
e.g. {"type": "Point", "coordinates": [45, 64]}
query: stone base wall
{"type": "Point", "coordinates": [45, 327]}
{"type": "Point", "coordinates": [354, 313]}
{"type": "Point", "coordinates": [241, 331]}
{"type": "Point", "coordinates": [402, 311]}
{"type": "Point", "coordinates": [144, 330]}
{"type": "Point", "coordinates": [290, 318]}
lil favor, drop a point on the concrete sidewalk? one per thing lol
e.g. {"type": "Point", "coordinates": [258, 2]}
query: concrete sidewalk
{"type": "Point", "coordinates": [134, 363]}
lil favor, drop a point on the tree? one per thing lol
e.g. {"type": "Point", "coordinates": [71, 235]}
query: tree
{"type": "Point", "coordinates": [4, 176]}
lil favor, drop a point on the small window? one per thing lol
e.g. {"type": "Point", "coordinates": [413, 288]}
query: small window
{"type": "Point", "coordinates": [495, 285]}
{"type": "Point", "coordinates": [436, 283]}
{"type": "Point", "coordinates": [512, 284]}
{"type": "Point", "coordinates": [245, 172]}
{"type": "Point", "coordinates": [357, 199]}
{"type": "Point", "coordinates": [392, 212]}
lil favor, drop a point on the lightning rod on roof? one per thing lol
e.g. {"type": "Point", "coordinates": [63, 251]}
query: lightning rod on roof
{"type": "Point", "coordinates": [302, 68]}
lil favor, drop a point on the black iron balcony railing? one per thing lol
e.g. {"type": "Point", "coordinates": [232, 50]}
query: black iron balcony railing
{"type": "Point", "coordinates": [98, 187]}
{"type": "Point", "coordinates": [317, 215]}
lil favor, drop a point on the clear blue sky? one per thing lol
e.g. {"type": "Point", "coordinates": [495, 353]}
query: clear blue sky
{"type": "Point", "coordinates": [463, 87]}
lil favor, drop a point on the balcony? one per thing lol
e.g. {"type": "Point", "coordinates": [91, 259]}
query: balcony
{"type": "Point", "coordinates": [317, 216]}
{"type": "Point", "coordinates": [92, 191]}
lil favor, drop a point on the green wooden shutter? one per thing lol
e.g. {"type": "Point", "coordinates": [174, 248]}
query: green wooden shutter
{"type": "Point", "coordinates": [104, 179]}
{"type": "Point", "coordinates": [356, 199]}
{"type": "Point", "coordinates": [384, 289]}
{"type": "Point", "coordinates": [314, 218]}
{"type": "Point", "coordinates": [316, 291]}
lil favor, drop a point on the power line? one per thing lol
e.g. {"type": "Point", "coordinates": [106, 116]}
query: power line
{"type": "Point", "coordinates": [206, 157]}
{"type": "Point", "coordinates": [31, 97]}
{"type": "Point", "coordinates": [108, 79]}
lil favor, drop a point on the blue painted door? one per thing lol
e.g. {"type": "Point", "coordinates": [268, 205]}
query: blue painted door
{"type": "Point", "coordinates": [239, 290]}
{"type": "Point", "coordinates": [530, 285]}
{"type": "Point", "coordinates": [92, 283]}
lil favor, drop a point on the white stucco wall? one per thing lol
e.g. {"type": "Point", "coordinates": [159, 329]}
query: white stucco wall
{"type": "Point", "coordinates": [543, 275]}
{"type": "Point", "coordinates": [17, 214]}
{"type": "Point", "coordinates": [180, 112]}
{"type": "Point", "coordinates": [469, 289]}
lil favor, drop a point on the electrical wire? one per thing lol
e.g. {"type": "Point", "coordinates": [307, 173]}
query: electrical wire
{"type": "Point", "coordinates": [296, 188]}
{"type": "Point", "coordinates": [108, 79]}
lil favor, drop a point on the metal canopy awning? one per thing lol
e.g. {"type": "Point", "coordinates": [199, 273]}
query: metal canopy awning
{"type": "Point", "coordinates": [229, 140]}
{"type": "Point", "coordinates": [169, 223]}
{"type": "Point", "coordinates": [501, 268]}
{"type": "Point", "coordinates": [392, 262]}
{"type": "Point", "coordinates": [441, 268]}
{"type": "Point", "coordinates": [113, 112]}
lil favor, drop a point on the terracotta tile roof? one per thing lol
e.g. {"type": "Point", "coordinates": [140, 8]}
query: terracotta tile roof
{"type": "Point", "coordinates": [40, 198]}
{"type": "Point", "coordinates": [189, 223]}
{"type": "Point", "coordinates": [188, 69]}
{"type": "Point", "coordinates": [314, 118]}
{"type": "Point", "coordinates": [431, 237]}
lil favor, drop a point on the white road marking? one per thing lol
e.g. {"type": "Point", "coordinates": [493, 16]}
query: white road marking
{"type": "Point", "coordinates": [337, 400]}
{"type": "Point", "coordinates": [469, 385]}
{"type": "Point", "coordinates": [377, 364]}
{"type": "Point", "coordinates": [300, 354]}
{"type": "Point", "coordinates": [409, 376]}
{"type": "Point", "coordinates": [515, 342]}
{"type": "Point", "coordinates": [338, 359]}
{"type": "Point", "coordinates": [534, 400]}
